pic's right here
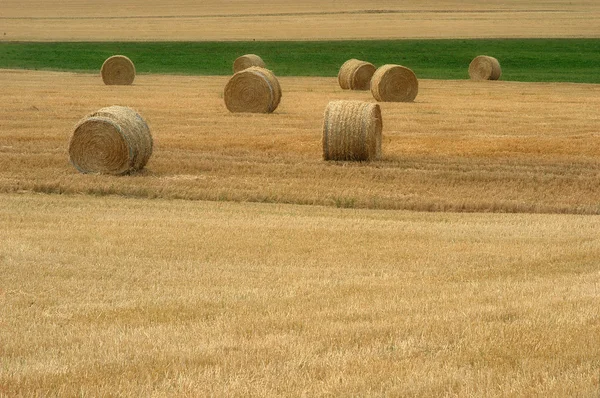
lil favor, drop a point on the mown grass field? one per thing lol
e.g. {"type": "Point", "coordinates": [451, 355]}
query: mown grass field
{"type": "Point", "coordinates": [533, 60]}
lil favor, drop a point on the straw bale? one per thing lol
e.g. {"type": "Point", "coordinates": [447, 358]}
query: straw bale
{"type": "Point", "coordinates": [118, 70]}
{"type": "Point", "coordinates": [113, 140]}
{"type": "Point", "coordinates": [355, 74]}
{"type": "Point", "coordinates": [394, 83]}
{"type": "Point", "coordinates": [484, 67]}
{"type": "Point", "coordinates": [352, 130]}
{"type": "Point", "coordinates": [246, 61]}
{"type": "Point", "coordinates": [254, 90]}
{"type": "Point", "coordinates": [345, 72]}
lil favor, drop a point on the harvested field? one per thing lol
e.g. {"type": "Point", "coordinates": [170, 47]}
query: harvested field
{"type": "Point", "coordinates": [109, 20]}
{"type": "Point", "coordinates": [117, 288]}
{"type": "Point", "coordinates": [128, 297]}
{"type": "Point", "coordinates": [461, 146]}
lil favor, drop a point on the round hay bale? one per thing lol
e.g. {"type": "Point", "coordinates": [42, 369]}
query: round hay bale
{"type": "Point", "coordinates": [118, 70]}
{"type": "Point", "coordinates": [484, 67]}
{"type": "Point", "coordinates": [352, 130]}
{"type": "Point", "coordinates": [344, 73]}
{"type": "Point", "coordinates": [254, 90]}
{"type": "Point", "coordinates": [394, 83]}
{"type": "Point", "coordinates": [246, 61]}
{"type": "Point", "coordinates": [113, 140]}
{"type": "Point", "coordinates": [355, 74]}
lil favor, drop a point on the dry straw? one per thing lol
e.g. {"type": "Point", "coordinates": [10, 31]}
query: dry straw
{"type": "Point", "coordinates": [394, 83]}
{"type": "Point", "coordinates": [355, 74]}
{"type": "Point", "coordinates": [484, 67]}
{"type": "Point", "coordinates": [113, 140]}
{"type": "Point", "coordinates": [255, 90]}
{"type": "Point", "coordinates": [247, 61]}
{"type": "Point", "coordinates": [352, 131]}
{"type": "Point", "coordinates": [118, 70]}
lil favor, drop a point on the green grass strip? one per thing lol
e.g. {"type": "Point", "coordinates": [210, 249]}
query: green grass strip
{"type": "Point", "coordinates": [543, 60]}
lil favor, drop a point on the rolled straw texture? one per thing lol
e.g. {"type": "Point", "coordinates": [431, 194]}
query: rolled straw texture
{"type": "Point", "coordinates": [355, 74]}
{"type": "Point", "coordinates": [394, 83]}
{"type": "Point", "coordinates": [246, 61]}
{"type": "Point", "coordinates": [352, 130]}
{"type": "Point", "coordinates": [254, 90]}
{"type": "Point", "coordinates": [113, 140]}
{"type": "Point", "coordinates": [484, 67]}
{"type": "Point", "coordinates": [118, 70]}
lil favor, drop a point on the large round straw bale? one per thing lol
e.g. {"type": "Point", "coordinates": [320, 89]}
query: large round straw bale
{"type": "Point", "coordinates": [255, 90]}
{"type": "Point", "coordinates": [118, 70]}
{"type": "Point", "coordinates": [484, 67]}
{"type": "Point", "coordinates": [112, 140]}
{"type": "Point", "coordinates": [355, 74]}
{"type": "Point", "coordinates": [352, 131]}
{"type": "Point", "coordinates": [246, 61]}
{"type": "Point", "coordinates": [394, 83]}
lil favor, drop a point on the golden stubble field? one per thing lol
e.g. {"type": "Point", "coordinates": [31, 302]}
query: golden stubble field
{"type": "Point", "coordinates": [129, 297]}
{"type": "Point", "coordinates": [461, 146]}
{"type": "Point", "coordinates": [172, 282]}
{"type": "Point", "coordinates": [125, 295]}
{"type": "Point", "coordinates": [82, 20]}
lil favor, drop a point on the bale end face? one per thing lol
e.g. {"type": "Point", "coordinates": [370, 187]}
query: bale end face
{"type": "Point", "coordinates": [394, 83]}
{"type": "Point", "coordinates": [254, 90]}
{"type": "Point", "coordinates": [97, 146]}
{"type": "Point", "coordinates": [118, 70]}
{"type": "Point", "coordinates": [352, 130]}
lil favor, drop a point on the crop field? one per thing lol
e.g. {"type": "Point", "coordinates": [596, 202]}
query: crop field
{"type": "Point", "coordinates": [461, 146]}
{"type": "Point", "coordinates": [110, 20]}
{"type": "Point", "coordinates": [105, 296]}
{"type": "Point", "coordinates": [465, 262]}
{"type": "Point", "coordinates": [186, 297]}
